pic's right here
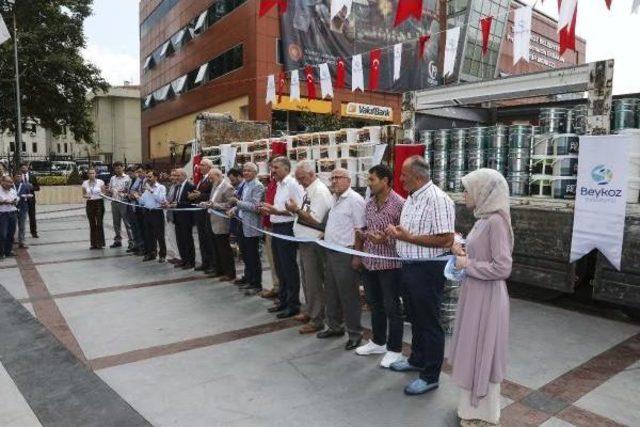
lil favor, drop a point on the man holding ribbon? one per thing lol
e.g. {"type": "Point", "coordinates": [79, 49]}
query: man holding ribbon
{"type": "Point", "coordinates": [153, 200]}
{"type": "Point", "coordinates": [425, 232]}
{"type": "Point", "coordinates": [118, 185]}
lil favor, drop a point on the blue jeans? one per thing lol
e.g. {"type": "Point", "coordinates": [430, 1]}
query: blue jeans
{"type": "Point", "coordinates": [23, 213]}
{"type": "Point", "coordinates": [8, 222]}
{"type": "Point", "coordinates": [423, 286]}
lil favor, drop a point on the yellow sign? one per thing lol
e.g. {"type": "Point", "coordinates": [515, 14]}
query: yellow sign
{"type": "Point", "coordinates": [311, 106]}
{"type": "Point", "coordinates": [365, 111]}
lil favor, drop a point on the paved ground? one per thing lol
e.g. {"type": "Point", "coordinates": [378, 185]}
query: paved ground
{"type": "Point", "coordinates": [99, 338]}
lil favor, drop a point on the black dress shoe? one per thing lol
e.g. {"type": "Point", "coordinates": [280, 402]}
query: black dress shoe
{"type": "Point", "coordinates": [188, 266]}
{"type": "Point", "coordinates": [242, 281]}
{"type": "Point", "coordinates": [148, 258]}
{"type": "Point", "coordinates": [277, 308]}
{"type": "Point", "coordinates": [131, 250]}
{"type": "Point", "coordinates": [288, 313]}
{"type": "Point", "coordinates": [35, 235]}
{"type": "Point", "coordinates": [178, 264]}
{"type": "Point", "coordinates": [329, 333]}
{"type": "Point", "coordinates": [353, 344]}
{"type": "Point", "coordinates": [210, 271]}
{"type": "Point", "coordinates": [116, 245]}
{"type": "Point", "coordinates": [201, 268]}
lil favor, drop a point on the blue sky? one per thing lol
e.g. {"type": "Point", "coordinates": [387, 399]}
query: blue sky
{"type": "Point", "coordinates": [113, 45]}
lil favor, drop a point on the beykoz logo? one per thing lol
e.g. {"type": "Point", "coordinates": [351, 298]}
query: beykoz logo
{"type": "Point", "coordinates": [602, 176]}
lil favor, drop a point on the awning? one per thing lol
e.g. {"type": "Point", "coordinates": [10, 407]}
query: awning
{"type": "Point", "coordinates": [148, 101]}
{"type": "Point", "coordinates": [179, 84]}
{"type": "Point", "coordinates": [149, 62]}
{"type": "Point", "coordinates": [181, 37]}
{"type": "Point", "coordinates": [201, 20]}
{"type": "Point", "coordinates": [163, 93]}
{"type": "Point", "coordinates": [167, 49]}
{"type": "Point", "coordinates": [201, 73]}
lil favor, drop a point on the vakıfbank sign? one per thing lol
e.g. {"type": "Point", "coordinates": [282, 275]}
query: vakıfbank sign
{"type": "Point", "coordinates": [365, 111]}
{"type": "Point", "coordinates": [601, 196]}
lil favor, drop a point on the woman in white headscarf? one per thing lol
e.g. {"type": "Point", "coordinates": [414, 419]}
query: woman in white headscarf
{"type": "Point", "coordinates": [478, 353]}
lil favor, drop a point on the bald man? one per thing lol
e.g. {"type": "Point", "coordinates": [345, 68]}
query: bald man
{"type": "Point", "coordinates": [201, 194]}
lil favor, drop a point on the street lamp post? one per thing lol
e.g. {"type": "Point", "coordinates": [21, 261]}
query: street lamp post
{"type": "Point", "coordinates": [11, 5]}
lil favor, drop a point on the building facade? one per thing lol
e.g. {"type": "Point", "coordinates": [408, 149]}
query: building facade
{"type": "Point", "coordinates": [206, 55]}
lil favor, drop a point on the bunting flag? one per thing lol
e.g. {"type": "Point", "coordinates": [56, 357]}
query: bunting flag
{"type": "Point", "coordinates": [357, 76]}
{"type": "Point", "coordinates": [451, 50]}
{"type": "Point", "coordinates": [485, 24]}
{"type": "Point", "coordinates": [311, 87]}
{"type": "Point", "coordinates": [374, 68]}
{"type": "Point", "coordinates": [407, 9]}
{"type": "Point", "coordinates": [521, 33]}
{"type": "Point", "coordinates": [271, 89]}
{"type": "Point", "coordinates": [340, 7]}
{"type": "Point", "coordinates": [294, 92]}
{"type": "Point", "coordinates": [608, 3]}
{"type": "Point", "coordinates": [267, 5]}
{"type": "Point", "coordinates": [568, 14]}
{"type": "Point", "coordinates": [636, 6]}
{"type": "Point", "coordinates": [340, 73]}
{"type": "Point", "coordinates": [397, 60]}
{"type": "Point", "coordinates": [326, 87]}
{"type": "Point", "coordinates": [422, 41]}
{"type": "Point", "coordinates": [4, 31]}
{"type": "Point", "coordinates": [282, 80]}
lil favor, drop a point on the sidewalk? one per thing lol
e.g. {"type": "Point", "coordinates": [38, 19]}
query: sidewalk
{"type": "Point", "coordinates": [144, 343]}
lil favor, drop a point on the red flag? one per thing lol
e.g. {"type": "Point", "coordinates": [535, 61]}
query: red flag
{"type": "Point", "coordinates": [267, 5]}
{"type": "Point", "coordinates": [311, 87]}
{"type": "Point", "coordinates": [282, 80]}
{"type": "Point", "coordinates": [406, 9]}
{"type": "Point", "coordinates": [567, 38]}
{"type": "Point", "coordinates": [485, 23]}
{"type": "Point", "coordinates": [422, 41]}
{"type": "Point", "coordinates": [340, 73]}
{"type": "Point", "coordinates": [374, 68]}
{"type": "Point", "coordinates": [608, 3]}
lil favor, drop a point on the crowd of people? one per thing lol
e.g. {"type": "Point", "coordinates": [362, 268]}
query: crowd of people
{"type": "Point", "coordinates": [396, 248]}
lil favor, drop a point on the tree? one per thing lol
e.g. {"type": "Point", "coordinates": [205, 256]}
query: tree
{"type": "Point", "coordinates": [54, 77]}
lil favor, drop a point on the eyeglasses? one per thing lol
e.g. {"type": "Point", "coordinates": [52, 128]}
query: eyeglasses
{"type": "Point", "coordinates": [335, 178]}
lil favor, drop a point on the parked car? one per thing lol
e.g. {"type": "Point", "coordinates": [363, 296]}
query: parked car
{"type": "Point", "coordinates": [64, 168]}
{"type": "Point", "coordinates": [41, 167]}
{"type": "Point", "coordinates": [103, 173]}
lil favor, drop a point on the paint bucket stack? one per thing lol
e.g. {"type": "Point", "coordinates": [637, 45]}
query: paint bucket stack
{"type": "Point", "coordinates": [440, 158]}
{"type": "Point", "coordinates": [519, 158]}
{"type": "Point", "coordinates": [476, 148]}
{"type": "Point", "coordinates": [457, 159]}
{"type": "Point", "coordinates": [565, 165]}
{"type": "Point", "coordinates": [577, 120]}
{"type": "Point", "coordinates": [498, 148]}
{"type": "Point", "coordinates": [427, 139]}
{"type": "Point", "coordinates": [553, 120]}
{"type": "Point", "coordinates": [624, 114]}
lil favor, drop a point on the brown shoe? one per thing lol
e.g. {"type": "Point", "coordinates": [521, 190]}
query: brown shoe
{"type": "Point", "coordinates": [309, 329]}
{"type": "Point", "coordinates": [269, 294]}
{"type": "Point", "coordinates": [302, 317]}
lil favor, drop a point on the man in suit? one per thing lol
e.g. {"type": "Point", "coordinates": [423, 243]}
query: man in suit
{"type": "Point", "coordinates": [135, 192]}
{"type": "Point", "coordinates": [221, 194]}
{"type": "Point", "coordinates": [24, 190]}
{"type": "Point", "coordinates": [27, 176]}
{"type": "Point", "coordinates": [184, 221]}
{"type": "Point", "coordinates": [202, 194]}
{"type": "Point", "coordinates": [170, 229]}
{"type": "Point", "coordinates": [247, 209]}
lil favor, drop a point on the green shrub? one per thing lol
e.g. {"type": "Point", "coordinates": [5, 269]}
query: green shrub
{"type": "Point", "coordinates": [51, 180]}
{"type": "Point", "coordinates": [74, 178]}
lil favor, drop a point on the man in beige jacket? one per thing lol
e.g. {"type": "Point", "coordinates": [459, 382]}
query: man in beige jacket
{"type": "Point", "coordinates": [221, 193]}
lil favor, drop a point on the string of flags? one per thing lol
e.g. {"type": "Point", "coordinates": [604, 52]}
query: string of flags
{"type": "Point", "coordinates": [567, 9]}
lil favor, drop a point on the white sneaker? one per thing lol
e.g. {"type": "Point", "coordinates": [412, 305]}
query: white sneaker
{"type": "Point", "coordinates": [391, 357]}
{"type": "Point", "coordinates": [370, 348]}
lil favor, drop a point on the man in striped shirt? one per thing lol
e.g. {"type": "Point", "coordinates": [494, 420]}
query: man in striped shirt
{"type": "Point", "coordinates": [426, 231]}
{"type": "Point", "coordinates": [381, 276]}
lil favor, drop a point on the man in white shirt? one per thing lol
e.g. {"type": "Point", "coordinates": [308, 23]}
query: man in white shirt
{"type": "Point", "coordinates": [311, 217]}
{"type": "Point", "coordinates": [426, 230]}
{"type": "Point", "coordinates": [342, 290]}
{"type": "Point", "coordinates": [283, 250]}
{"type": "Point", "coordinates": [153, 200]}
{"type": "Point", "coordinates": [118, 186]}
{"type": "Point", "coordinates": [8, 215]}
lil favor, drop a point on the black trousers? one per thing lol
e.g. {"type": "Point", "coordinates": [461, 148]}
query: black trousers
{"type": "Point", "coordinates": [285, 253]}
{"type": "Point", "coordinates": [224, 264]}
{"type": "Point", "coordinates": [154, 233]}
{"type": "Point", "coordinates": [205, 239]}
{"type": "Point", "coordinates": [33, 227]}
{"type": "Point", "coordinates": [184, 236]}
{"type": "Point", "coordinates": [95, 215]}
{"type": "Point", "coordinates": [382, 291]}
{"type": "Point", "coordinates": [423, 286]}
{"type": "Point", "coordinates": [142, 227]}
{"type": "Point", "coordinates": [250, 251]}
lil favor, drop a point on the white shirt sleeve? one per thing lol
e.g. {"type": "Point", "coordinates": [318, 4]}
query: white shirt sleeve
{"type": "Point", "coordinates": [359, 208]}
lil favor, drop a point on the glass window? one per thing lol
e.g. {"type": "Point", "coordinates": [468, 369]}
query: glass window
{"type": "Point", "coordinates": [201, 22]}
{"type": "Point", "coordinates": [202, 72]}
{"type": "Point", "coordinates": [154, 17]}
{"type": "Point", "coordinates": [34, 147]}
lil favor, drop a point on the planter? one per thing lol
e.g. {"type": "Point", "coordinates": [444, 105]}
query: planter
{"type": "Point", "coordinates": [60, 195]}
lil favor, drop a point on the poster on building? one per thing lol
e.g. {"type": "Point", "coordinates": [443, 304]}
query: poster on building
{"type": "Point", "coordinates": [310, 36]}
{"type": "Point", "coordinates": [601, 197]}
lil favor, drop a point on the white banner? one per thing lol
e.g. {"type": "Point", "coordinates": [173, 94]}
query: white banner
{"type": "Point", "coordinates": [4, 31]}
{"type": "Point", "coordinates": [601, 196]}
{"type": "Point", "coordinates": [326, 86]}
{"type": "Point", "coordinates": [271, 89]}
{"type": "Point", "coordinates": [397, 60]}
{"type": "Point", "coordinates": [294, 93]}
{"type": "Point", "coordinates": [521, 33]}
{"type": "Point", "coordinates": [357, 75]}
{"type": "Point", "coordinates": [228, 156]}
{"type": "Point", "coordinates": [451, 50]}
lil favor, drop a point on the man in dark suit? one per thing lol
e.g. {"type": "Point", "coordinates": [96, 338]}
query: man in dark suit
{"type": "Point", "coordinates": [25, 193]}
{"type": "Point", "coordinates": [135, 192]}
{"type": "Point", "coordinates": [30, 178]}
{"type": "Point", "coordinates": [184, 221]}
{"type": "Point", "coordinates": [202, 193]}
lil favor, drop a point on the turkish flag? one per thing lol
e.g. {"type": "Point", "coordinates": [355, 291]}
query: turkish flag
{"type": "Point", "coordinates": [485, 23]}
{"type": "Point", "coordinates": [267, 5]}
{"type": "Point", "coordinates": [311, 87]}
{"type": "Point", "coordinates": [608, 3]}
{"type": "Point", "coordinates": [402, 152]}
{"type": "Point", "coordinates": [278, 148]}
{"type": "Point", "coordinates": [422, 41]}
{"type": "Point", "coordinates": [567, 37]}
{"type": "Point", "coordinates": [340, 73]}
{"type": "Point", "coordinates": [282, 80]}
{"type": "Point", "coordinates": [406, 9]}
{"type": "Point", "coordinates": [374, 68]}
